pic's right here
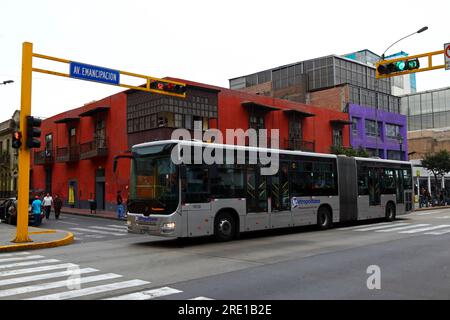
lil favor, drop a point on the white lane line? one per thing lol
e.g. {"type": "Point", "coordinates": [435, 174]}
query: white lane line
{"type": "Point", "coordinates": [109, 229]}
{"type": "Point", "coordinates": [98, 231]}
{"type": "Point", "coordinates": [118, 226]}
{"type": "Point", "coordinates": [382, 227]}
{"type": "Point", "coordinates": [201, 298]}
{"type": "Point", "coordinates": [71, 223]}
{"type": "Point", "coordinates": [356, 227]}
{"type": "Point", "coordinates": [4, 255]}
{"type": "Point", "coordinates": [95, 236]}
{"type": "Point", "coordinates": [37, 269]}
{"type": "Point", "coordinates": [442, 217]}
{"type": "Point", "coordinates": [45, 276]}
{"type": "Point", "coordinates": [57, 284]}
{"type": "Point", "coordinates": [425, 213]}
{"type": "Point", "coordinates": [21, 258]}
{"type": "Point", "coordinates": [426, 229]}
{"type": "Point", "coordinates": [91, 290]}
{"type": "Point", "coordinates": [404, 228]}
{"type": "Point", "coordinates": [438, 233]}
{"type": "Point", "coordinates": [148, 294]}
{"type": "Point", "coordinates": [27, 263]}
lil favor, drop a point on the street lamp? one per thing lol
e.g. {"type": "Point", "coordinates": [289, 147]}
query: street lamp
{"type": "Point", "coordinates": [418, 31]}
{"type": "Point", "coordinates": [400, 141]}
{"type": "Point", "coordinates": [7, 81]}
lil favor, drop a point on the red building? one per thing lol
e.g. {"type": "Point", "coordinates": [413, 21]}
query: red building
{"type": "Point", "coordinates": [78, 146]}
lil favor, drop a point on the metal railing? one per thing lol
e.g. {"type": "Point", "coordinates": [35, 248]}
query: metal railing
{"type": "Point", "coordinates": [92, 149]}
{"type": "Point", "coordinates": [68, 154]}
{"type": "Point", "coordinates": [299, 144]}
{"type": "Point", "coordinates": [44, 157]}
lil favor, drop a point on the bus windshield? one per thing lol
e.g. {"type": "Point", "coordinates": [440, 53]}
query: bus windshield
{"type": "Point", "coordinates": [153, 184]}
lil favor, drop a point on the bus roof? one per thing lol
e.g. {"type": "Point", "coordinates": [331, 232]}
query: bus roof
{"type": "Point", "coordinates": [256, 149]}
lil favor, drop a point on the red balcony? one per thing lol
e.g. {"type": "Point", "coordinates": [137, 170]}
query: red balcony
{"type": "Point", "coordinates": [44, 157]}
{"type": "Point", "coordinates": [93, 149]}
{"type": "Point", "coordinates": [299, 145]}
{"type": "Point", "coordinates": [68, 154]}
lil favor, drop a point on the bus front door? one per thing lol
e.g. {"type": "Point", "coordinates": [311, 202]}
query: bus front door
{"type": "Point", "coordinates": [257, 217]}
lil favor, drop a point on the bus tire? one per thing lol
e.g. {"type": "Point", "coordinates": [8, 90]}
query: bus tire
{"type": "Point", "coordinates": [224, 226]}
{"type": "Point", "coordinates": [324, 218]}
{"type": "Point", "coordinates": [390, 211]}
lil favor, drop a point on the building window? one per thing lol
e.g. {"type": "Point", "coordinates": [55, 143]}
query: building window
{"type": "Point", "coordinates": [337, 136]}
{"type": "Point", "coordinates": [178, 120]}
{"type": "Point", "coordinates": [392, 131]}
{"type": "Point", "coordinates": [256, 121]}
{"type": "Point", "coordinates": [355, 122]}
{"type": "Point", "coordinates": [372, 128]}
{"type": "Point", "coordinates": [48, 145]}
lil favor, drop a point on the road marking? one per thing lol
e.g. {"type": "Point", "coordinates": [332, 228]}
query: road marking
{"type": "Point", "coordinates": [201, 298]}
{"type": "Point", "coordinates": [21, 258]}
{"type": "Point", "coordinates": [425, 213]}
{"type": "Point", "coordinates": [45, 276]}
{"type": "Point", "coordinates": [118, 226]}
{"type": "Point", "coordinates": [382, 227]}
{"type": "Point", "coordinates": [37, 269]}
{"type": "Point", "coordinates": [3, 255]}
{"type": "Point", "coordinates": [148, 294]}
{"type": "Point", "coordinates": [356, 227]}
{"type": "Point", "coordinates": [108, 229]}
{"type": "Point", "coordinates": [442, 217]}
{"type": "Point", "coordinates": [95, 236]}
{"type": "Point", "coordinates": [27, 263]}
{"type": "Point", "coordinates": [402, 228]}
{"type": "Point", "coordinates": [91, 290]}
{"type": "Point", "coordinates": [426, 229]}
{"type": "Point", "coordinates": [72, 223]}
{"type": "Point", "coordinates": [438, 233]}
{"type": "Point", "coordinates": [57, 284]}
{"type": "Point", "coordinates": [98, 231]}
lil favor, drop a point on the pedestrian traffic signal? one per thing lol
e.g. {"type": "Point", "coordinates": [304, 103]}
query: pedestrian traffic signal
{"type": "Point", "coordinates": [168, 87]}
{"type": "Point", "coordinates": [33, 132]}
{"type": "Point", "coordinates": [398, 66]}
{"type": "Point", "coordinates": [16, 140]}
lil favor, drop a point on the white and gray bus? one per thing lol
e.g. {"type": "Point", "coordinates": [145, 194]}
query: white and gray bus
{"type": "Point", "coordinates": [191, 200]}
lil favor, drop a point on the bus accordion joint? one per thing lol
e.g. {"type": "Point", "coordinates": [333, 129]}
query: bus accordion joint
{"type": "Point", "coordinates": [121, 156]}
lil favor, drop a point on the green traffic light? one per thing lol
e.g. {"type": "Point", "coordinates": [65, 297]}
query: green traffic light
{"type": "Point", "coordinates": [400, 65]}
{"type": "Point", "coordinates": [413, 64]}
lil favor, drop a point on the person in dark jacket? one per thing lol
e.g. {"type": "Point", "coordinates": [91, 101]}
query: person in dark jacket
{"type": "Point", "coordinates": [57, 205]}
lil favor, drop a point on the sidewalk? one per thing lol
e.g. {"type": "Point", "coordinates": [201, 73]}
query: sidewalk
{"type": "Point", "coordinates": [431, 208]}
{"type": "Point", "coordinates": [42, 238]}
{"type": "Point", "coordinates": [87, 213]}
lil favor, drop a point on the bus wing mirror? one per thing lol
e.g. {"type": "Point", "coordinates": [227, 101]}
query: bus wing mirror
{"type": "Point", "coordinates": [116, 158]}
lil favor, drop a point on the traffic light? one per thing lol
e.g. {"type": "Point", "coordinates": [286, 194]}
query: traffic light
{"type": "Point", "coordinates": [399, 66]}
{"type": "Point", "coordinates": [168, 87]}
{"type": "Point", "coordinates": [33, 131]}
{"type": "Point", "coordinates": [16, 140]}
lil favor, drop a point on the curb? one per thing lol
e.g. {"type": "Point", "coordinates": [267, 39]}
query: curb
{"type": "Point", "coordinates": [90, 215]}
{"type": "Point", "coordinates": [40, 245]}
{"type": "Point", "coordinates": [432, 208]}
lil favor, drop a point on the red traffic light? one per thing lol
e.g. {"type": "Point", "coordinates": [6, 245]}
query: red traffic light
{"type": "Point", "coordinates": [16, 142]}
{"type": "Point", "coordinates": [168, 87]}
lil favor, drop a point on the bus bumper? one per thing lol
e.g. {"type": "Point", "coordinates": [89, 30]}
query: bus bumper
{"type": "Point", "coordinates": [155, 226]}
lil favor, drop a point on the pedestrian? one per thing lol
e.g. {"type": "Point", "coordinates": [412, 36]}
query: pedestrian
{"type": "Point", "coordinates": [36, 209]}
{"type": "Point", "coordinates": [57, 205]}
{"type": "Point", "coordinates": [47, 204]}
{"type": "Point", "coordinates": [120, 209]}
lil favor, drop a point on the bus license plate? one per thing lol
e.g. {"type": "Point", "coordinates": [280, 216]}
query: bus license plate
{"type": "Point", "coordinates": [146, 219]}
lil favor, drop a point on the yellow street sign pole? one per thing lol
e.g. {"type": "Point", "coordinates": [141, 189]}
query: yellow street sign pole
{"type": "Point", "coordinates": [24, 152]}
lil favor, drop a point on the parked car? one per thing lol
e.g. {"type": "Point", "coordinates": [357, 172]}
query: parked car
{"type": "Point", "coordinates": [5, 204]}
{"type": "Point", "coordinates": [10, 214]}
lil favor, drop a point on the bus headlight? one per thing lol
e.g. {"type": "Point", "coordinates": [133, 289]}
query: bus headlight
{"type": "Point", "coordinates": [169, 226]}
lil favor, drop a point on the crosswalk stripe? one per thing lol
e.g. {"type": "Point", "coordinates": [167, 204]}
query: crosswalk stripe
{"type": "Point", "coordinates": [382, 227]}
{"type": "Point", "coordinates": [91, 290]}
{"type": "Point", "coordinates": [426, 229]}
{"type": "Point", "coordinates": [201, 298]}
{"type": "Point", "coordinates": [57, 284]}
{"type": "Point", "coordinates": [148, 294]}
{"type": "Point", "coordinates": [44, 276]}
{"type": "Point", "coordinates": [117, 226]}
{"type": "Point", "coordinates": [98, 231]}
{"type": "Point", "coordinates": [403, 228]}
{"type": "Point", "coordinates": [95, 236]}
{"type": "Point", "coordinates": [109, 229]}
{"type": "Point", "coordinates": [37, 269]}
{"type": "Point", "coordinates": [21, 258]}
{"type": "Point", "coordinates": [356, 227]}
{"type": "Point", "coordinates": [4, 255]}
{"type": "Point", "coordinates": [27, 263]}
{"type": "Point", "coordinates": [438, 233]}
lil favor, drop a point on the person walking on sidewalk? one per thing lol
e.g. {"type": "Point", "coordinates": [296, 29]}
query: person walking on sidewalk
{"type": "Point", "coordinates": [47, 204]}
{"type": "Point", "coordinates": [57, 205]}
{"type": "Point", "coordinates": [120, 208]}
{"type": "Point", "coordinates": [36, 209]}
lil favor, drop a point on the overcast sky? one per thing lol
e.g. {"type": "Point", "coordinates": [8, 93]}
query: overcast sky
{"type": "Point", "coordinates": [201, 40]}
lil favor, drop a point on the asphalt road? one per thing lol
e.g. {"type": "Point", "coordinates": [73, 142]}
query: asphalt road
{"type": "Point", "coordinates": [411, 257]}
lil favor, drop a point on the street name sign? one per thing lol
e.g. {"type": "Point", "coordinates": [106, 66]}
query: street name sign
{"type": "Point", "coordinates": [447, 56]}
{"type": "Point", "coordinates": [89, 72]}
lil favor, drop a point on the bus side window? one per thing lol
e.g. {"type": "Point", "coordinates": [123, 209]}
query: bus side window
{"type": "Point", "coordinates": [363, 182]}
{"type": "Point", "coordinates": [197, 184]}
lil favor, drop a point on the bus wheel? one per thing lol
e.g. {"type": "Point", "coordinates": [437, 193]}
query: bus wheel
{"type": "Point", "coordinates": [324, 220]}
{"type": "Point", "coordinates": [390, 212]}
{"type": "Point", "coordinates": [224, 227]}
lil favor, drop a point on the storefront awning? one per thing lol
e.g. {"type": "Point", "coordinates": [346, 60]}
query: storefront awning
{"type": "Point", "coordinates": [67, 120]}
{"type": "Point", "coordinates": [300, 113]}
{"type": "Point", "coordinates": [258, 106]}
{"type": "Point", "coordinates": [94, 111]}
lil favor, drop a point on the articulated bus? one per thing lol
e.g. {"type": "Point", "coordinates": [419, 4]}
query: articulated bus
{"type": "Point", "coordinates": [190, 200]}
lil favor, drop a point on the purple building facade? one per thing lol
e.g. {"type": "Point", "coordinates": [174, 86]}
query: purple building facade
{"type": "Point", "coordinates": [383, 134]}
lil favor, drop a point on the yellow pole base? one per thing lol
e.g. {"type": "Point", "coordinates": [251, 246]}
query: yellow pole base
{"type": "Point", "coordinates": [21, 239]}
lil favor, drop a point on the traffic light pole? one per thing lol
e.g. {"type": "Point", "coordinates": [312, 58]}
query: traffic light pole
{"type": "Point", "coordinates": [24, 152]}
